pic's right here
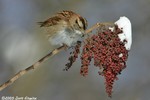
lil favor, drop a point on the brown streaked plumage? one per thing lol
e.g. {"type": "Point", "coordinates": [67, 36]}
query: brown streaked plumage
{"type": "Point", "coordinates": [66, 23]}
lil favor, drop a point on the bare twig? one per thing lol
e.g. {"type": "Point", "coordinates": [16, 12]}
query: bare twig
{"type": "Point", "coordinates": [36, 65]}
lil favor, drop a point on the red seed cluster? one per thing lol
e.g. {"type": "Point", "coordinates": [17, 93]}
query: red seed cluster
{"type": "Point", "coordinates": [86, 59]}
{"type": "Point", "coordinates": [109, 54]}
{"type": "Point", "coordinates": [110, 77]}
{"type": "Point", "coordinates": [74, 55]}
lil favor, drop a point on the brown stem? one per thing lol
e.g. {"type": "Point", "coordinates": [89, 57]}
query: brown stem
{"type": "Point", "coordinates": [36, 65]}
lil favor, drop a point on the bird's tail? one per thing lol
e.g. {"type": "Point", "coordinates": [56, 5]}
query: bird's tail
{"type": "Point", "coordinates": [41, 24]}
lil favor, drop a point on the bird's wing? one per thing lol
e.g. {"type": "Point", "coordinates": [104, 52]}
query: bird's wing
{"type": "Point", "coordinates": [60, 17]}
{"type": "Point", "coordinates": [51, 21]}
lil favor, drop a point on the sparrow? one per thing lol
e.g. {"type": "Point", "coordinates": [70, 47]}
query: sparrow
{"type": "Point", "coordinates": [65, 28]}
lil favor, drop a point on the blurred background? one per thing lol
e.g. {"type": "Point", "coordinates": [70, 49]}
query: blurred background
{"type": "Point", "coordinates": [22, 42]}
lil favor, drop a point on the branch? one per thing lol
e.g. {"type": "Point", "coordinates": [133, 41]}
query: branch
{"type": "Point", "coordinates": [34, 66]}
{"type": "Point", "coordinates": [55, 51]}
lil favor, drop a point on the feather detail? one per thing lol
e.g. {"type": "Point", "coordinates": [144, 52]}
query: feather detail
{"type": "Point", "coordinates": [60, 16]}
{"type": "Point", "coordinates": [50, 22]}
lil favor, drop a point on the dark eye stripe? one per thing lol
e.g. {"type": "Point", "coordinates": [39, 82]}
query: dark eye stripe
{"type": "Point", "coordinates": [83, 21]}
{"type": "Point", "coordinates": [76, 21]}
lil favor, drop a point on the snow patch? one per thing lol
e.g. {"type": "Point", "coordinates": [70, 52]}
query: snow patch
{"type": "Point", "coordinates": [120, 55]}
{"type": "Point", "coordinates": [111, 29]}
{"type": "Point", "coordinates": [125, 25]}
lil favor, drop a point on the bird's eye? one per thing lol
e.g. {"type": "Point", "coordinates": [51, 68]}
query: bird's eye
{"type": "Point", "coordinates": [76, 21]}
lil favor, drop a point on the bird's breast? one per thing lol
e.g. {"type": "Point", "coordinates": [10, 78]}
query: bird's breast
{"type": "Point", "coordinates": [65, 37]}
